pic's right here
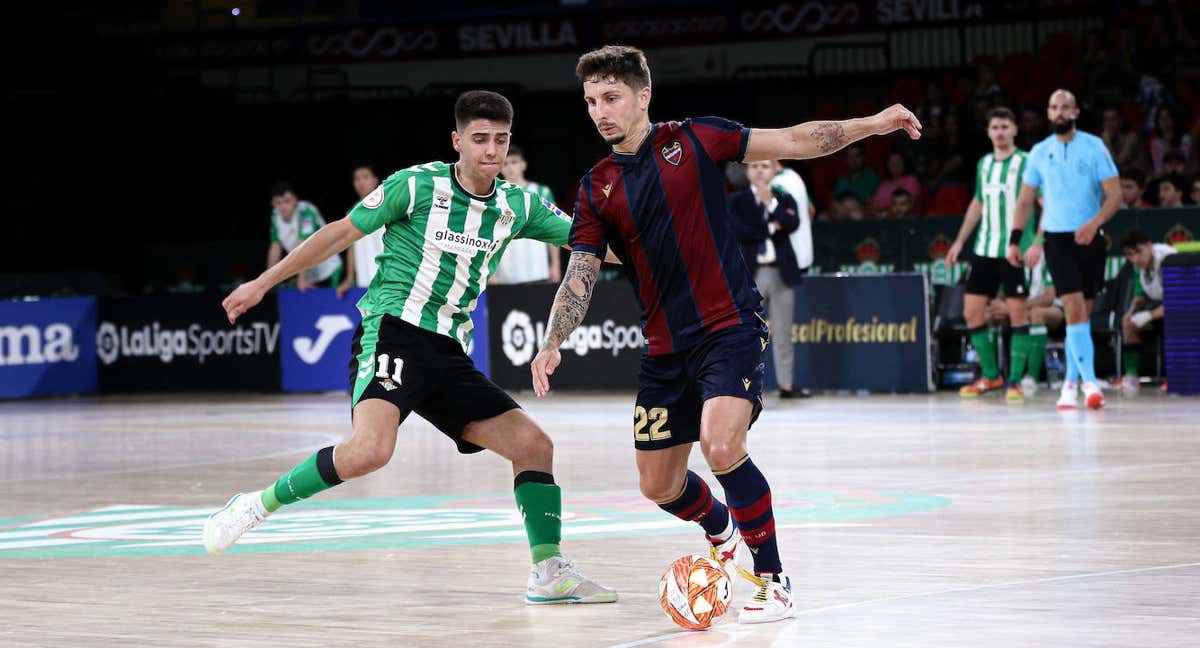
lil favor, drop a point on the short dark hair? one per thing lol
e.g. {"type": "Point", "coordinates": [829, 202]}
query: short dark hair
{"type": "Point", "coordinates": [901, 192]}
{"type": "Point", "coordinates": [1001, 112]}
{"type": "Point", "coordinates": [1133, 237]}
{"type": "Point", "coordinates": [848, 194]}
{"type": "Point", "coordinates": [481, 104]}
{"type": "Point", "coordinates": [280, 188]}
{"type": "Point", "coordinates": [621, 62]}
{"type": "Point", "coordinates": [513, 149]}
{"type": "Point", "coordinates": [1135, 174]}
{"type": "Point", "coordinates": [364, 165]}
{"type": "Point", "coordinates": [1174, 178]}
{"type": "Point", "coordinates": [1174, 155]}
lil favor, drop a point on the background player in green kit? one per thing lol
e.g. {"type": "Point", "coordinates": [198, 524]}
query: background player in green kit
{"type": "Point", "coordinates": [447, 226]}
{"type": "Point", "coordinates": [997, 185]}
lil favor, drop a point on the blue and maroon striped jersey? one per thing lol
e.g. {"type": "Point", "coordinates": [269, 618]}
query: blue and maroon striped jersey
{"type": "Point", "coordinates": [662, 210]}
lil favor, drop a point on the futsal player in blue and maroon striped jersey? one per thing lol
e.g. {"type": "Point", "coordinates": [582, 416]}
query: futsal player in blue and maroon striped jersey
{"type": "Point", "coordinates": [658, 201]}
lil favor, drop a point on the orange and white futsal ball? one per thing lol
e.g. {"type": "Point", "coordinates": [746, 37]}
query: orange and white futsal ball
{"type": "Point", "coordinates": [695, 591]}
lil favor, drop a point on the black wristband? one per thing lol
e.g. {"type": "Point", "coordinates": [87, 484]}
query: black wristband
{"type": "Point", "coordinates": [1014, 237]}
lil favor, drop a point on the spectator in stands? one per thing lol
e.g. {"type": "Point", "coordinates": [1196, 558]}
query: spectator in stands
{"type": "Point", "coordinates": [1167, 136]}
{"type": "Point", "coordinates": [950, 156]}
{"type": "Point", "coordinates": [860, 179]}
{"type": "Point", "coordinates": [1033, 127]}
{"type": "Point", "coordinates": [1146, 311]}
{"type": "Point", "coordinates": [1171, 190]}
{"type": "Point", "coordinates": [901, 206]}
{"type": "Point", "coordinates": [1174, 163]}
{"type": "Point", "coordinates": [848, 207]}
{"type": "Point", "coordinates": [1123, 143]}
{"type": "Point", "coordinates": [985, 82]}
{"type": "Point", "coordinates": [292, 221]}
{"type": "Point", "coordinates": [898, 177]}
{"type": "Point", "coordinates": [1133, 185]}
{"type": "Point", "coordinates": [1194, 192]}
{"type": "Point", "coordinates": [935, 103]}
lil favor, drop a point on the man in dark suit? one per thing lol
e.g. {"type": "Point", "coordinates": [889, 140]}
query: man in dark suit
{"type": "Point", "coordinates": [763, 218]}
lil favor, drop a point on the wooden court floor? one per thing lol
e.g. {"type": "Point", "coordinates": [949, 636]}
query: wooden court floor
{"type": "Point", "coordinates": [903, 521]}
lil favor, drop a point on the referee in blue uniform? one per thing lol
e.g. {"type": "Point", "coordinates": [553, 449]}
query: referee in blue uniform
{"type": "Point", "coordinates": [1081, 192]}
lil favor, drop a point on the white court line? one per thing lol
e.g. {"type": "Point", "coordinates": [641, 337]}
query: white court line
{"type": "Point", "coordinates": [956, 590]}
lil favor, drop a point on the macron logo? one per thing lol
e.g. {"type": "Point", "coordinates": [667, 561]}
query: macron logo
{"type": "Point", "coordinates": [329, 326]}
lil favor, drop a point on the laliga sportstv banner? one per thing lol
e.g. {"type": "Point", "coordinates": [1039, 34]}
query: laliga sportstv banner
{"type": "Point", "coordinates": [862, 332]}
{"type": "Point", "coordinates": [47, 347]}
{"type": "Point", "coordinates": [603, 353]}
{"type": "Point", "coordinates": [184, 342]}
{"type": "Point", "coordinates": [318, 331]}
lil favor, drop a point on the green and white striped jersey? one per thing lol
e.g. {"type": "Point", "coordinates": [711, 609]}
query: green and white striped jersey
{"type": "Point", "coordinates": [441, 243]}
{"type": "Point", "coordinates": [997, 185]}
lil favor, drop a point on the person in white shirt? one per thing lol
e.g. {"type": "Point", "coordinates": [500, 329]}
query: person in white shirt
{"type": "Point", "coordinates": [360, 258]}
{"type": "Point", "coordinates": [292, 221]}
{"type": "Point", "coordinates": [526, 260]}
{"type": "Point", "coordinates": [788, 180]}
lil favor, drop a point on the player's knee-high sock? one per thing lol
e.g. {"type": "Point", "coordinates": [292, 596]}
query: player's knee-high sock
{"type": "Point", "coordinates": [308, 478]}
{"type": "Point", "coordinates": [1019, 353]}
{"type": "Point", "coordinates": [540, 502]}
{"type": "Point", "coordinates": [695, 503]}
{"type": "Point", "coordinates": [1131, 356]}
{"type": "Point", "coordinates": [1037, 350]}
{"type": "Point", "coordinates": [985, 348]}
{"type": "Point", "coordinates": [749, 498]}
{"type": "Point", "coordinates": [1081, 347]}
{"type": "Point", "coordinates": [1072, 365]}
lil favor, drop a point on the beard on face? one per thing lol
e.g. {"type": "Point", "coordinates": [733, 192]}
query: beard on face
{"type": "Point", "coordinates": [613, 140]}
{"type": "Point", "coordinates": [1064, 127]}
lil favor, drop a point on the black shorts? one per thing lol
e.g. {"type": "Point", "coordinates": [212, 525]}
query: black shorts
{"type": "Point", "coordinates": [423, 372]}
{"type": "Point", "coordinates": [1074, 267]}
{"type": "Point", "coordinates": [672, 388]}
{"type": "Point", "coordinates": [988, 274]}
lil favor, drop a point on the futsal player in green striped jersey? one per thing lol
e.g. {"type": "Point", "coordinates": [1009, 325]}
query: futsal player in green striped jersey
{"type": "Point", "coordinates": [446, 226]}
{"type": "Point", "coordinates": [997, 185]}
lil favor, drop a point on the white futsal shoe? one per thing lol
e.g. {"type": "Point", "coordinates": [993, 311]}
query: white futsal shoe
{"type": "Point", "coordinates": [1068, 398]}
{"type": "Point", "coordinates": [241, 513]}
{"type": "Point", "coordinates": [1092, 396]}
{"type": "Point", "coordinates": [558, 580]}
{"type": "Point", "coordinates": [1029, 386]}
{"type": "Point", "coordinates": [772, 601]}
{"type": "Point", "coordinates": [726, 553]}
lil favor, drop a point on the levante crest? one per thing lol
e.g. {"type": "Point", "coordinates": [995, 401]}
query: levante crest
{"type": "Point", "coordinates": [673, 153]}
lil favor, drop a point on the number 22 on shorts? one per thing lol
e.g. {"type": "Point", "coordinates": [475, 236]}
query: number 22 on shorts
{"type": "Point", "coordinates": [656, 417]}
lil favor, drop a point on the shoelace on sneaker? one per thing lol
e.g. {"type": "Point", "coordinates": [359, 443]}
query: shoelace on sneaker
{"type": "Point", "coordinates": [760, 596]}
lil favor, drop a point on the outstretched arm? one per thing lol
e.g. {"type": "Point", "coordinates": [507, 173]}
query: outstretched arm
{"type": "Point", "coordinates": [817, 138]}
{"type": "Point", "coordinates": [326, 242]}
{"type": "Point", "coordinates": [570, 305]}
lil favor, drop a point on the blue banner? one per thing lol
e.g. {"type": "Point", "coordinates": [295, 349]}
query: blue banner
{"type": "Point", "coordinates": [860, 332]}
{"type": "Point", "coordinates": [318, 330]}
{"type": "Point", "coordinates": [47, 347]}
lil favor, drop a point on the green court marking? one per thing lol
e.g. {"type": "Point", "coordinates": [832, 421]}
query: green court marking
{"type": "Point", "coordinates": [432, 521]}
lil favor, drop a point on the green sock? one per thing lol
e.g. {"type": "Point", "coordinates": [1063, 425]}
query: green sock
{"type": "Point", "coordinates": [308, 478]}
{"type": "Point", "coordinates": [985, 348]}
{"type": "Point", "coordinates": [1130, 357]}
{"type": "Point", "coordinates": [541, 505]}
{"type": "Point", "coordinates": [1037, 351]}
{"type": "Point", "coordinates": [1018, 356]}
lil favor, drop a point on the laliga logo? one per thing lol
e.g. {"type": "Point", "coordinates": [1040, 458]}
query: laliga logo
{"type": "Point", "coordinates": [107, 343]}
{"type": "Point", "coordinates": [330, 327]}
{"type": "Point", "coordinates": [517, 334]}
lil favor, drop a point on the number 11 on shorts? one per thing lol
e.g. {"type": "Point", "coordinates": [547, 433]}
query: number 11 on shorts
{"type": "Point", "coordinates": [383, 368]}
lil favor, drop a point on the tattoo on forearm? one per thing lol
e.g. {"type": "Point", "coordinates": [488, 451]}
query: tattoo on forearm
{"type": "Point", "coordinates": [829, 136]}
{"type": "Point", "coordinates": [574, 295]}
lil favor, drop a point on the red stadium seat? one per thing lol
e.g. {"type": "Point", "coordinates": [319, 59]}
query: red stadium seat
{"type": "Point", "coordinates": [829, 110]}
{"type": "Point", "coordinates": [950, 200]}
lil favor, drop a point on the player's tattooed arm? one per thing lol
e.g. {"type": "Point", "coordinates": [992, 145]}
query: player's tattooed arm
{"type": "Point", "coordinates": [828, 136]}
{"type": "Point", "coordinates": [817, 138]}
{"type": "Point", "coordinates": [574, 296]}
